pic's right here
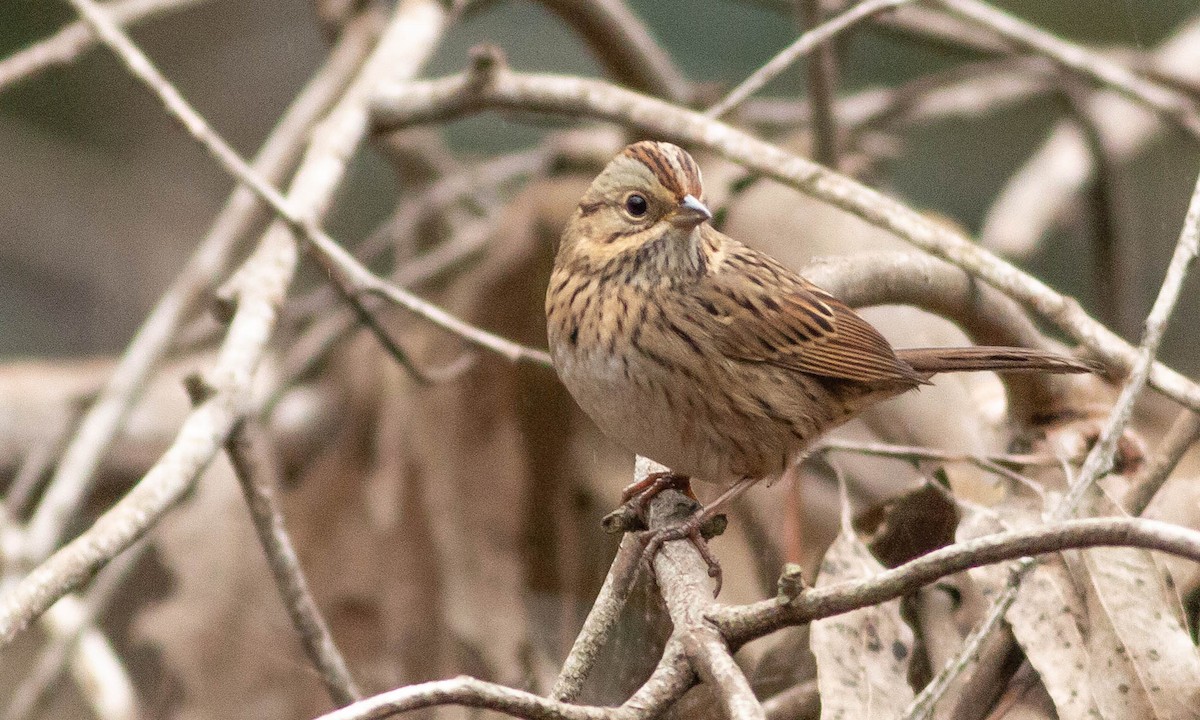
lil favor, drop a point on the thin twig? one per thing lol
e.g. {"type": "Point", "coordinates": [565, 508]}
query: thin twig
{"type": "Point", "coordinates": [241, 215]}
{"type": "Point", "coordinates": [296, 215]}
{"type": "Point", "coordinates": [469, 239]}
{"type": "Point", "coordinates": [357, 279]}
{"type": "Point", "coordinates": [921, 453]}
{"type": "Point", "coordinates": [76, 38]}
{"type": "Point", "coordinates": [972, 646]}
{"type": "Point", "coordinates": [970, 91]}
{"type": "Point", "coordinates": [746, 622]}
{"type": "Point", "coordinates": [258, 473]}
{"type": "Point", "coordinates": [1165, 101]}
{"type": "Point", "coordinates": [803, 45]}
{"type": "Point", "coordinates": [995, 464]}
{"type": "Point", "coordinates": [1100, 459]}
{"type": "Point", "coordinates": [1047, 187]}
{"type": "Point", "coordinates": [1182, 435]}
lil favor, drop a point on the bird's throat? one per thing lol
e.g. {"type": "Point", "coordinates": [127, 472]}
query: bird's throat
{"type": "Point", "coordinates": [662, 256]}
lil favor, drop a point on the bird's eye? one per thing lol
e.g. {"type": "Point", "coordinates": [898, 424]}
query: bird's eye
{"type": "Point", "coordinates": [636, 205]}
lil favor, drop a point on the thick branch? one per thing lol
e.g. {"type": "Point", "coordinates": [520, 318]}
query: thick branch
{"type": "Point", "coordinates": [985, 314]}
{"type": "Point", "coordinates": [682, 578]}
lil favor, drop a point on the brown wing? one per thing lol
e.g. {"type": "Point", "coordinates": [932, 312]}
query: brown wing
{"type": "Point", "coordinates": [764, 312]}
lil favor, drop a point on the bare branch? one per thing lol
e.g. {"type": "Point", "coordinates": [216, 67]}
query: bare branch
{"type": "Point", "coordinates": [919, 23]}
{"type": "Point", "coordinates": [73, 40]}
{"type": "Point", "coordinates": [1183, 433]}
{"type": "Point", "coordinates": [1099, 460]}
{"type": "Point", "coordinates": [54, 656]}
{"type": "Point", "coordinates": [600, 622]}
{"type": "Point", "coordinates": [298, 216]}
{"type": "Point", "coordinates": [1165, 101]}
{"type": "Point", "coordinates": [469, 692]}
{"type": "Point", "coordinates": [1050, 182]}
{"type": "Point", "coordinates": [991, 463]}
{"type": "Point", "coordinates": [623, 44]}
{"type": "Point", "coordinates": [746, 622]}
{"type": "Point", "coordinates": [821, 73]}
{"type": "Point", "coordinates": [358, 279]}
{"type": "Point", "coordinates": [715, 664]}
{"type": "Point", "coordinates": [240, 216]}
{"type": "Point", "coordinates": [682, 576]}
{"type": "Point", "coordinates": [258, 473]}
{"type": "Point", "coordinates": [803, 45]}
{"type": "Point", "coordinates": [986, 315]}
{"type": "Point", "coordinates": [1112, 270]}
{"type": "Point", "coordinates": [738, 625]}
{"type": "Point", "coordinates": [263, 280]}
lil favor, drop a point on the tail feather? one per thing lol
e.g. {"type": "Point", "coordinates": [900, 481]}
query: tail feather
{"type": "Point", "coordinates": [999, 359]}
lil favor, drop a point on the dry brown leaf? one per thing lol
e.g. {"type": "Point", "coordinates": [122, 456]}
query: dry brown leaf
{"type": "Point", "coordinates": [1046, 619]}
{"type": "Point", "coordinates": [1136, 625]}
{"type": "Point", "coordinates": [862, 656]}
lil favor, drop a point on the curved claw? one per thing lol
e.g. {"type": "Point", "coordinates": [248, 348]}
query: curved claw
{"type": "Point", "coordinates": [687, 530]}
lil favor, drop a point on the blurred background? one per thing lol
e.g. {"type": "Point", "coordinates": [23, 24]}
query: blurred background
{"type": "Point", "coordinates": [102, 199]}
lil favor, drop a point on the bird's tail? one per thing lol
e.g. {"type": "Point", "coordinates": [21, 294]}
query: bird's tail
{"type": "Point", "coordinates": [998, 359]}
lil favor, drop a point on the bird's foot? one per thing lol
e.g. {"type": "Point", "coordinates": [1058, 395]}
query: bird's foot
{"type": "Point", "coordinates": [645, 489]}
{"type": "Point", "coordinates": [697, 529]}
{"type": "Point", "coordinates": [635, 501]}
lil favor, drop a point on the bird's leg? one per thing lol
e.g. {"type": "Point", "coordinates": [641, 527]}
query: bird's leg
{"type": "Point", "coordinates": [691, 530]}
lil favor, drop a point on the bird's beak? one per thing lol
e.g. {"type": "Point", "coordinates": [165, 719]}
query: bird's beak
{"type": "Point", "coordinates": [690, 213]}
